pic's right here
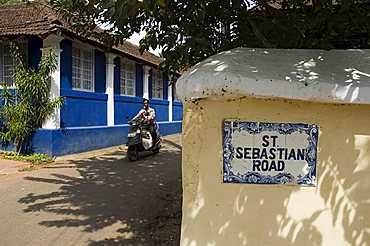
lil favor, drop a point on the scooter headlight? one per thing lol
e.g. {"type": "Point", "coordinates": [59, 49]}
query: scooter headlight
{"type": "Point", "coordinates": [131, 134]}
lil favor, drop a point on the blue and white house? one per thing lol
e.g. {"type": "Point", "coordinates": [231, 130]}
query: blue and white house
{"type": "Point", "coordinates": [102, 90]}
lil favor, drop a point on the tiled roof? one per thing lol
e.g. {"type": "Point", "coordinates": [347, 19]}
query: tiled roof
{"type": "Point", "coordinates": [27, 18]}
{"type": "Point", "coordinates": [39, 18]}
{"type": "Point", "coordinates": [133, 50]}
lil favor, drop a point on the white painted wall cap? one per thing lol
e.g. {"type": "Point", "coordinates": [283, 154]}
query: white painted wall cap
{"type": "Point", "coordinates": [336, 76]}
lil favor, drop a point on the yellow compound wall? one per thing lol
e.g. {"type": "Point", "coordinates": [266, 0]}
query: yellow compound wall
{"type": "Point", "coordinates": [335, 212]}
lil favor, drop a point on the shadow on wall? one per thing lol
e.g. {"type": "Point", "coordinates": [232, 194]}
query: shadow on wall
{"type": "Point", "coordinates": [346, 69]}
{"type": "Point", "coordinates": [349, 198]}
{"type": "Point", "coordinates": [109, 193]}
{"type": "Point", "coordinates": [269, 215]}
{"type": "Point", "coordinates": [242, 214]}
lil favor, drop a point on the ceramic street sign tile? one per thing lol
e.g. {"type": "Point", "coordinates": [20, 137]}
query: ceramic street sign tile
{"type": "Point", "coordinates": [269, 153]}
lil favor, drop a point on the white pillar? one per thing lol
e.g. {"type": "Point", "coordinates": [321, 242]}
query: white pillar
{"type": "Point", "coordinates": [170, 101]}
{"type": "Point", "coordinates": [53, 42]}
{"type": "Point", "coordinates": [110, 87]}
{"type": "Point", "coordinates": [146, 82]}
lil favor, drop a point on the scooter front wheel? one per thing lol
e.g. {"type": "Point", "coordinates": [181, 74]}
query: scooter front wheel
{"type": "Point", "coordinates": [132, 153]}
{"type": "Point", "coordinates": [156, 150]}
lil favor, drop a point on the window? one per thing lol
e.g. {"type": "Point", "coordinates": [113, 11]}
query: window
{"type": "Point", "coordinates": [127, 78]}
{"type": "Point", "coordinates": [82, 69]}
{"type": "Point", "coordinates": [7, 63]}
{"type": "Point", "coordinates": [157, 84]}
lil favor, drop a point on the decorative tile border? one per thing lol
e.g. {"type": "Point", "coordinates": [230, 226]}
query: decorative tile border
{"type": "Point", "coordinates": [243, 158]}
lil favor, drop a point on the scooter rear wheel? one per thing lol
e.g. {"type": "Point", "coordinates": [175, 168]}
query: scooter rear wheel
{"type": "Point", "coordinates": [132, 153]}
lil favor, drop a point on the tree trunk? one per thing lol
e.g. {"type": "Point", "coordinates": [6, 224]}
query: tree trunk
{"type": "Point", "coordinates": [18, 146]}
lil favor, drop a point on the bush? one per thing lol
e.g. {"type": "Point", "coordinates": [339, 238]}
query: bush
{"type": "Point", "coordinates": [26, 109]}
{"type": "Point", "coordinates": [32, 158]}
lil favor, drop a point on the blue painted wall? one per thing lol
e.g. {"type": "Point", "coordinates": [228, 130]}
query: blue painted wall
{"type": "Point", "coordinates": [125, 108]}
{"type": "Point", "coordinates": [117, 74]}
{"type": "Point", "coordinates": [43, 142]}
{"type": "Point", "coordinates": [100, 71]}
{"type": "Point", "coordinates": [176, 111]}
{"type": "Point", "coordinates": [66, 64]}
{"type": "Point", "coordinates": [139, 80]}
{"type": "Point", "coordinates": [167, 128]}
{"type": "Point", "coordinates": [161, 109]}
{"type": "Point", "coordinates": [74, 140]}
{"type": "Point", "coordinates": [34, 52]}
{"type": "Point", "coordinates": [83, 108]}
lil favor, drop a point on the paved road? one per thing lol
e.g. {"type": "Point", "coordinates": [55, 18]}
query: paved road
{"type": "Point", "coordinates": [95, 199]}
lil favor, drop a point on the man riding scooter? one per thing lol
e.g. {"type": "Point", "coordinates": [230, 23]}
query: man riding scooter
{"type": "Point", "coordinates": [147, 114]}
{"type": "Point", "coordinates": [144, 134]}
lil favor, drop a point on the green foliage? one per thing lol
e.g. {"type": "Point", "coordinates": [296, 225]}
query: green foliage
{"type": "Point", "coordinates": [189, 31]}
{"type": "Point", "coordinates": [25, 109]}
{"type": "Point", "coordinates": [32, 158]}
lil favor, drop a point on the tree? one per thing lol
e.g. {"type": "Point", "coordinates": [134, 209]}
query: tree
{"type": "Point", "coordinates": [189, 31]}
{"type": "Point", "coordinates": [26, 109]}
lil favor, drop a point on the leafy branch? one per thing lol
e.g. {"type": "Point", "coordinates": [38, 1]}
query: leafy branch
{"type": "Point", "coordinates": [189, 31]}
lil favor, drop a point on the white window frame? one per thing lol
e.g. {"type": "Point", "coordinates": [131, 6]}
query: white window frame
{"type": "Point", "coordinates": [23, 50]}
{"type": "Point", "coordinates": [124, 77]}
{"type": "Point", "coordinates": [81, 68]}
{"type": "Point", "coordinates": [157, 84]}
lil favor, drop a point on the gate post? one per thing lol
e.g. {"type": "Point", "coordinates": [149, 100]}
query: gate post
{"type": "Point", "coordinates": [276, 148]}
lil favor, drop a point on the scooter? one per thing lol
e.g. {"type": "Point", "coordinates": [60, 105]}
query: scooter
{"type": "Point", "coordinates": [139, 139]}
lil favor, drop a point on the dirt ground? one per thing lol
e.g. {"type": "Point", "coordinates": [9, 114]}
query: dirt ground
{"type": "Point", "coordinates": [165, 230]}
{"type": "Point", "coordinates": [96, 198]}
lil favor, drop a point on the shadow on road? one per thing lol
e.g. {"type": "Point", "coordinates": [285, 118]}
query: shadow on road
{"type": "Point", "coordinates": [174, 144]}
{"type": "Point", "coordinates": [137, 203]}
